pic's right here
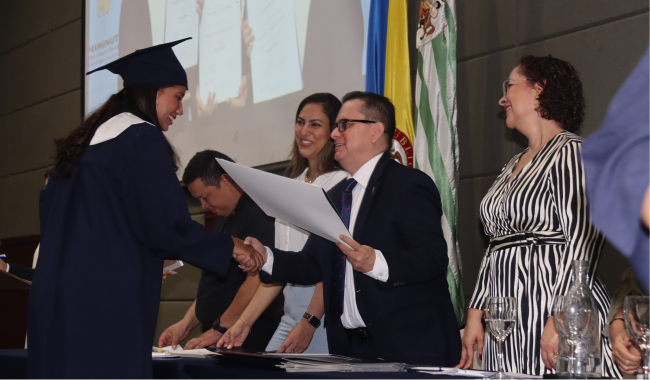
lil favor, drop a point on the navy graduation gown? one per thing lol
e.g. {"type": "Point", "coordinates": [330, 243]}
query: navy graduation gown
{"type": "Point", "coordinates": [105, 232]}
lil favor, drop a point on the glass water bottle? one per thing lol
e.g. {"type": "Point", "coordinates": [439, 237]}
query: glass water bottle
{"type": "Point", "coordinates": [587, 351]}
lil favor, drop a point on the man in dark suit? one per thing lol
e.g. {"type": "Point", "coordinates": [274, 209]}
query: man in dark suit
{"type": "Point", "coordinates": [386, 296]}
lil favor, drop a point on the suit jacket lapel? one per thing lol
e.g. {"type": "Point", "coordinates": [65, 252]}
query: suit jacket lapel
{"type": "Point", "coordinates": [369, 196]}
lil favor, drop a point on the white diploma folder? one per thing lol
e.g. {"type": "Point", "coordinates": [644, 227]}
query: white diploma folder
{"type": "Point", "coordinates": [299, 203]}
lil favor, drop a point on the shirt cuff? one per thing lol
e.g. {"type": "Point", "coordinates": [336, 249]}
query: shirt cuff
{"type": "Point", "coordinates": [268, 267]}
{"type": "Point", "coordinates": [7, 269]}
{"type": "Point", "coordinates": [380, 269]}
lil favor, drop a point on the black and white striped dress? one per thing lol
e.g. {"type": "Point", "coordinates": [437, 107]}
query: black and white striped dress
{"type": "Point", "coordinates": [538, 223]}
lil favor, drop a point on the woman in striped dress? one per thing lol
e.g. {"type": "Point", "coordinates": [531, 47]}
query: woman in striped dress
{"type": "Point", "coordinates": [538, 222]}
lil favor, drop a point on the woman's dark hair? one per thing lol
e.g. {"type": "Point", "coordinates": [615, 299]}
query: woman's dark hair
{"type": "Point", "coordinates": [326, 162]}
{"type": "Point", "coordinates": [140, 100]}
{"type": "Point", "coordinates": [561, 98]}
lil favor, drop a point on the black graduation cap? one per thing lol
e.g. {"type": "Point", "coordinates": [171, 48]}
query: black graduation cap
{"type": "Point", "coordinates": [153, 65]}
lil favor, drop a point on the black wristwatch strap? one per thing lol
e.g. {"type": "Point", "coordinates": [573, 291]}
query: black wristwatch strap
{"type": "Point", "coordinates": [315, 322]}
{"type": "Point", "coordinates": [217, 326]}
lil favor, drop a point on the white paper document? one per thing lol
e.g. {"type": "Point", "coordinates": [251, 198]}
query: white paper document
{"type": "Point", "coordinates": [220, 37]}
{"type": "Point", "coordinates": [182, 20]}
{"type": "Point", "coordinates": [177, 264]}
{"type": "Point", "coordinates": [275, 58]}
{"type": "Point", "coordinates": [304, 205]}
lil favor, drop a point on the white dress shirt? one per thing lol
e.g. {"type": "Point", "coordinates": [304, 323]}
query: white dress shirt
{"type": "Point", "coordinates": [351, 318]}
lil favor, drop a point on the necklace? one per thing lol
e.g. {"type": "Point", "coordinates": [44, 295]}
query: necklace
{"type": "Point", "coordinates": [307, 180]}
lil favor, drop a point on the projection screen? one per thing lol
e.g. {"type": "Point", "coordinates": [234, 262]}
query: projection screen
{"type": "Point", "coordinates": [243, 94]}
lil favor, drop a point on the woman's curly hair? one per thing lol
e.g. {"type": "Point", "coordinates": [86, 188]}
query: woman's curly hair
{"type": "Point", "coordinates": [561, 99]}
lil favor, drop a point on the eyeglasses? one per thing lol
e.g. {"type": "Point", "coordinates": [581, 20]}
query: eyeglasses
{"type": "Point", "coordinates": [506, 85]}
{"type": "Point", "coordinates": [342, 124]}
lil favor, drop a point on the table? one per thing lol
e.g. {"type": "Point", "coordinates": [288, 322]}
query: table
{"type": "Point", "coordinates": [13, 365]}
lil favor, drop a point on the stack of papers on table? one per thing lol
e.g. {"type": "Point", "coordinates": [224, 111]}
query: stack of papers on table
{"type": "Point", "coordinates": [304, 362]}
{"type": "Point", "coordinates": [472, 373]}
{"type": "Point", "coordinates": [309, 364]}
{"type": "Point", "coordinates": [197, 353]}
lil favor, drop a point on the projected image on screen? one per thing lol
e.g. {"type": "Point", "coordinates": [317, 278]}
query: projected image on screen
{"type": "Point", "coordinates": [249, 64]}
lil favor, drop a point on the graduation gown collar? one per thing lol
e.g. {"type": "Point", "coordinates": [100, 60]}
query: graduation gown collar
{"type": "Point", "coordinates": [115, 126]}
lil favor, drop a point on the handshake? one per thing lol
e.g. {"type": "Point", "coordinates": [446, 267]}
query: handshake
{"type": "Point", "coordinates": [249, 253]}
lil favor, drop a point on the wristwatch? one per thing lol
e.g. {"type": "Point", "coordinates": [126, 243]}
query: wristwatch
{"type": "Point", "coordinates": [217, 326]}
{"type": "Point", "coordinates": [315, 322]}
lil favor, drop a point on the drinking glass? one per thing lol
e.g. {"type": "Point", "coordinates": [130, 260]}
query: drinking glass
{"type": "Point", "coordinates": [572, 314]}
{"type": "Point", "coordinates": [635, 311]}
{"type": "Point", "coordinates": [500, 314]}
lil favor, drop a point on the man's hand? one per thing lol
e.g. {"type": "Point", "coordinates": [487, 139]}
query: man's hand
{"type": "Point", "coordinates": [174, 334]}
{"type": "Point", "coordinates": [207, 339]}
{"type": "Point", "coordinates": [3, 265]}
{"type": "Point", "coordinates": [235, 336]}
{"type": "Point", "coordinates": [549, 343]}
{"type": "Point", "coordinates": [360, 256]}
{"type": "Point", "coordinates": [299, 338]}
{"type": "Point", "coordinates": [626, 353]}
{"type": "Point", "coordinates": [249, 259]}
{"type": "Point", "coordinates": [474, 334]}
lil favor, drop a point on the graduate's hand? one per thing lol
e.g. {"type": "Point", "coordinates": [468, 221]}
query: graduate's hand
{"type": "Point", "coordinates": [207, 339]}
{"type": "Point", "coordinates": [174, 334]}
{"type": "Point", "coordinates": [249, 260]}
{"type": "Point", "coordinates": [360, 256]}
{"type": "Point", "coordinates": [3, 265]}
{"type": "Point", "coordinates": [235, 336]}
{"type": "Point", "coordinates": [167, 273]}
{"type": "Point", "coordinates": [298, 339]}
{"type": "Point", "coordinates": [259, 248]}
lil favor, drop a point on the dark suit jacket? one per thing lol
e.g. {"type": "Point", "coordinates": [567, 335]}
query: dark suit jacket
{"type": "Point", "coordinates": [410, 317]}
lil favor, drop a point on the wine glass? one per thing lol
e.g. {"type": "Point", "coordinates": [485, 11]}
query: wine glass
{"type": "Point", "coordinates": [572, 314]}
{"type": "Point", "coordinates": [635, 311]}
{"type": "Point", "coordinates": [500, 314]}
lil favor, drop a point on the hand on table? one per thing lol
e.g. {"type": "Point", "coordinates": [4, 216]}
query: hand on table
{"type": "Point", "coordinates": [298, 339]}
{"type": "Point", "coordinates": [549, 343]}
{"type": "Point", "coordinates": [474, 334]}
{"type": "Point", "coordinates": [174, 334]}
{"type": "Point", "coordinates": [626, 353]}
{"type": "Point", "coordinates": [235, 336]}
{"type": "Point", "coordinates": [360, 256]}
{"type": "Point", "coordinates": [207, 339]}
{"type": "Point", "coordinates": [248, 257]}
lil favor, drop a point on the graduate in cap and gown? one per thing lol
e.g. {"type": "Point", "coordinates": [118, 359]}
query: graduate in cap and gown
{"type": "Point", "coordinates": [112, 211]}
